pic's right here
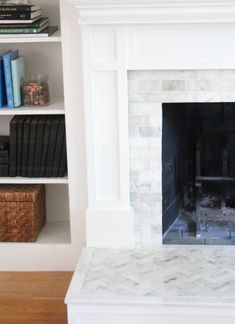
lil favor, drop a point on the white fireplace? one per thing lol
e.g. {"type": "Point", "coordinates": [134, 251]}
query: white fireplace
{"type": "Point", "coordinates": [160, 52]}
{"type": "Point", "coordinates": [179, 43]}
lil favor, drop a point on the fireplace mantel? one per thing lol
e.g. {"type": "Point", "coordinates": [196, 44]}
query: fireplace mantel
{"type": "Point", "coordinates": [118, 36]}
{"type": "Point", "coordinates": [153, 12]}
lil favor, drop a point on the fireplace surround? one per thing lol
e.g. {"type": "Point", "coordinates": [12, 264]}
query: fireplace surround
{"type": "Point", "coordinates": [120, 36]}
{"type": "Point", "coordinates": [196, 104]}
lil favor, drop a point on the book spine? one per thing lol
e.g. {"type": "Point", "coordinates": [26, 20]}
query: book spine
{"type": "Point", "coordinates": [12, 9]}
{"type": "Point", "coordinates": [39, 147]}
{"type": "Point", "coordinates": [19, 146]}
{"type": "Point", "coordinates": [51, 148]}
{"type": "Point", "coordinates": [59, 148]}
{"type": "Point", "coordinates": [25, 153]}
{"type": "Point", "coordinates": [13, 139]}
{"type": "Point", "coordinates": [16, 81]}
{"type": "Point", "coordinates": [2, 85]}
{"type": "Point", "coordinates": [8, 80]}
{"type": "Point", "coordinates": [45, 147]}
{"type": "Point", "coordinates": [32, 145]}
{"type": "Point", "coordinates": [63, 161]}
{"type": "Point", "coordinates": [19, 30]}
{"type": "Point", "coordinates": [19, 15]}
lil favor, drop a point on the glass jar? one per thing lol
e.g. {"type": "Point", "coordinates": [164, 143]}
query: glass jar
{"type": "Point", "coordinates": [36, 91]}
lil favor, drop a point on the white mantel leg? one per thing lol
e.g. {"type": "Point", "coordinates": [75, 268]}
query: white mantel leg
{"type": "Point", "coordinates": [109, 217]}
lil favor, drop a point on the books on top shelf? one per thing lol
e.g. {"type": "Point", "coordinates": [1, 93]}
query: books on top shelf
{"type": "Point", "coordinates": [36, 27]}
{"type": "Point", "coordinates": [23, 18]}
{"type": "Point", "coordinates": [45, 32]}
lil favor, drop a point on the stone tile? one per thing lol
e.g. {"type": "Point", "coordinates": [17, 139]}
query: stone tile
{"type": "Point", "coordinates": [197, 85]}
{"type": "Point", "coordinates": [139, 142]}
{"type": "Point", "coordinates": [149, 86]}
{"type": "Point", "coordinates": [133, 86]}
{"type": "Point", "coordinates": [138, 165]}
{"type": "Point", "coordinates": [228, 85]}
{"type": "Point", "coordinates": [184, 74]}
{"type": "Point", "coordinates": [228, 96]}
{"type": "Point", "coordinates": [228, 74]}
{"type": "Point", "coordinates": [143, 75]}
{"type": "Point", "coordinates": [173, 85]}
{"type": "Point", "coordinates": [150, 175]}
{"type": "Point", "coordinates": [150, 197]}
{"type": "Point", "coordinates": [139, 97]}
{"type": "Point", "coordinates": [150, 131]}
{"type": "Point", "coordinates": [139, 120]}
{"type": "Point", "coordinates": [163, 75]}
{"type": "Point", "coordinates": [209, 96]}
{"type": "Point", "coordinates": [170, 273]}
{"type": "Point", "coordinates": [209, 74]}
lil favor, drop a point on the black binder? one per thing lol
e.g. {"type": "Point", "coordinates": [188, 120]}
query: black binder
{"type": "Point", "coordinates": [32, 145]}
{"type": "Point", "coordinates": [45, 145]}
{"type": "Point", "coordinates": [19, 145]}
{"type": "Point", "coordinates": [25, 153]}
{"type": "Point", "coordinates": [52, 146]}
{"type": "Point", "coordinates": [59, 147]}
{"type": "Point", "coordinates": [39, 146]}
{"type": "Point", "coordinates": [13, 139]}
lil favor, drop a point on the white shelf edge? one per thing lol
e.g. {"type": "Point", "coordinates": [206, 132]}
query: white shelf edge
{"type": "Point", "coordinates": [55, 108]}
{"type": "Point", "coordinates": [55, 38]}
{"type": "Point", "coordinates": [22, 180]}
{"type": "Point", "coordinates": [53, 233]}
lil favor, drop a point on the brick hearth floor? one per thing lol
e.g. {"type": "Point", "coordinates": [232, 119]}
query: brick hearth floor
{"type": "Point", "coordinates": [168, 273]}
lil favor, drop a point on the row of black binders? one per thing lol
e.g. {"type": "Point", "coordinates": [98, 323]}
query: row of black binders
{"type": "Point", "coordinates": [38, 146]}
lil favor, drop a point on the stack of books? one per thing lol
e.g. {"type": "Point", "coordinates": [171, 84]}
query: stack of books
{"type": "Point", "coordinates": [23, 18]}
{"type": "Point", "coordinates": [11, 77]}
{"type": "Point", "coordinates": [38, 146]}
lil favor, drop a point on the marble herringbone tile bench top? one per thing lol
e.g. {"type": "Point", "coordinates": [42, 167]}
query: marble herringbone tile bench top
{"type": "Point", "coordinates": [177, 274]}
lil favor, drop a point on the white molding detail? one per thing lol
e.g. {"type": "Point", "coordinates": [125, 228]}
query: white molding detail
{"type": "Point", "coordinates": [110, 227]}
{"type": "Point", "coordinates": [153, 12]}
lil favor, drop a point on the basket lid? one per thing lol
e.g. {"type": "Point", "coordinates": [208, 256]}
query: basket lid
{"type": "Point", "coordinates": [20, 193]}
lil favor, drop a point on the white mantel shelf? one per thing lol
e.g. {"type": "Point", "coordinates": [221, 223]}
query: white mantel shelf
{"type": "Point", "coordinates": [152, 12]}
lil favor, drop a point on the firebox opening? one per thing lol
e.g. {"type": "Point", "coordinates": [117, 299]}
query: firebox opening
{"type": "Point", "coordinates": [198, 173]}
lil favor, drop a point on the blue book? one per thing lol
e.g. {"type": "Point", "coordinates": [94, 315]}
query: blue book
{"type": "Point", "coordinates": [17, 67]}
{"type": "Point", "coordinates": [3, 100]}
{"type": "Point", "coordinates": [7, 58]}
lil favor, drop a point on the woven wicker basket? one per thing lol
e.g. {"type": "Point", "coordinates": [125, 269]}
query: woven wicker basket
{"type": "Point", "coordinates": [22, 212]}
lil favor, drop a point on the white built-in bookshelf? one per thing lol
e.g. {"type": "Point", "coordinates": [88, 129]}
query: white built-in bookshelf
{"type": "Point", "coordinates": [57, 246]}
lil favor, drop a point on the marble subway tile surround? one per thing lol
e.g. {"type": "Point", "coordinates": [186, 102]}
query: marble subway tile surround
{"type": "Point", "coordinates": [147, 91]}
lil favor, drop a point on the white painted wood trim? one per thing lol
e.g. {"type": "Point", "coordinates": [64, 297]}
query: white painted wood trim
{"type": "Point", "coordinates": [109, 217]}
{"type": "Point", "coordinates": [153, 12]}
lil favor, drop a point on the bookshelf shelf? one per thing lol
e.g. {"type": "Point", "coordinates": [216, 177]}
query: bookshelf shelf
{"type": "Point", "coordinates": [54, 232]}
{"type": "Point", "coordinates": [61, 240]}
{"type": "Point", "coordinates": [55, 108]}
{"type": "Point", "coordinates": [22, 180]}
{"type": "Point", "coordinates": [55, 38]}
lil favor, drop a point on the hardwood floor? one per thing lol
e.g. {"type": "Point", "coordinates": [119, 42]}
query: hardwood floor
{"type": "Point", "coordinates": [33, 297]}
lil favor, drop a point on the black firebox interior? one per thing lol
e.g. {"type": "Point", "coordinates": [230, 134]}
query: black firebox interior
{"type": "Point", "coordinates": [198, 173]}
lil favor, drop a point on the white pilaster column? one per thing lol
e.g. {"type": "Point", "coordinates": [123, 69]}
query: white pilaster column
{"type": "Point", "coordinates": [109, 217]}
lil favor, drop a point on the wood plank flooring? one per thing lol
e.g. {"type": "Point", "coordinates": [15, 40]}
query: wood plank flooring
{"type": "Point", "coordinates": [33, 297]}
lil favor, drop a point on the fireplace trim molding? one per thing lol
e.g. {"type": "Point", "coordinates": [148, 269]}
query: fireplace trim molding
{"type": "Point", "coordinates": [114, 37]}
{"type": "Point", "coordinates": [153, 12]}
